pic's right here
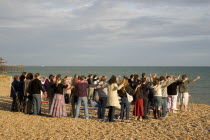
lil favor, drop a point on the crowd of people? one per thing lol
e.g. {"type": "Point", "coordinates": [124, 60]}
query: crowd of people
{"type": "Point", "coordinates": [157, 93]}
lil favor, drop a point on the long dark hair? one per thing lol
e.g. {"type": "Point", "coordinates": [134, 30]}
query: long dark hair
{"type": "Point", "coordinates": [22, 77]}
{"type": "Point", "coordinates": [113, 80]}
{"type": "Point", "coordinates": [57, 80]}
{"type": "Point", "coordinates": [29, 76]}
{"type": "Point", "coordinates": [51, 77]}
{"type": "Point", "coordinates": [156, 82]}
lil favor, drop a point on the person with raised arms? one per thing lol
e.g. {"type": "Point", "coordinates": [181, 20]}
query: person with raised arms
{"type": "Point", "coordinates": [183, 90]}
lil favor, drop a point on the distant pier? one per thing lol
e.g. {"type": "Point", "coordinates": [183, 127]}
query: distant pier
{"type": "Point", "coordinates": [4, 68]}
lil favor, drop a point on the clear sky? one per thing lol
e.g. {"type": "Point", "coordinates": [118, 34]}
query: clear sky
{"type": "Point", "coordinates": [105, 32]}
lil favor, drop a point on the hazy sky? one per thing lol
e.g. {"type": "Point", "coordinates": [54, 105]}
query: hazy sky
{"type": "Point", "coordinates": [105, 32]}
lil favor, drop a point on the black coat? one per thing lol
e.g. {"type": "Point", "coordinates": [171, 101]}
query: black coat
{"type": "Point", "coordinates": [14, 88]}
{"type": "Point", "coordinates": [35, 87]}
{"type": "Point", "coordinates": [51, 89]}
{"type": "Point", "coordinates": [172, 88]}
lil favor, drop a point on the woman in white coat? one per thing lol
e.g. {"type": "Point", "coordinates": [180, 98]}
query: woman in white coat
{"type": "Point", "coordinates": [113, 97]}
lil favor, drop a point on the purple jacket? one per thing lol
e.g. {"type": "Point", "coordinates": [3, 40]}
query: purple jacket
{"type": "Point", "coordinates": [82, 89]}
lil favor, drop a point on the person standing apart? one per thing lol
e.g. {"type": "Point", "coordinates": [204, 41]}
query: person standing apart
{"type": "Point", "coordinates": [35, 90]}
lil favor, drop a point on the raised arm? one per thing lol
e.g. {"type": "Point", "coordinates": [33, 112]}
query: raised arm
{"type": "Point", "coordinates": [120, 86]}
{"type": "Point", "coordinates": [177, 77]}
{"type": "Point", "coordinates": [137, 88]}
{"type": "Point", "coordinates": [156, 87]}
{"type": "Point", "coordinates": [165, 75]}
{"type": "Point", "coordinates": [198, 77]}
{"type": "Point", "coordinates": [165, 85]}
{"type": "Point", "coordinates": [116, 87]}
{"type": "Point", "coordinates": [151, 78]}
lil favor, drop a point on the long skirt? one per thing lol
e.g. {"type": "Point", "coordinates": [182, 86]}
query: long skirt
{"type": "Point", "coordinates": [138, 108]}
{"type": "Point", "coordinates": [58, 108]}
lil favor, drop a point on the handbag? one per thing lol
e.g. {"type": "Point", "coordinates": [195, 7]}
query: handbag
{"type": "Point", "coordinates": [130, 98]}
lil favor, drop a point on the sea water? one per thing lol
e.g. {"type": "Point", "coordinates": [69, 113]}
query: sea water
{"type": "Point", "coordinates": [200, 90]}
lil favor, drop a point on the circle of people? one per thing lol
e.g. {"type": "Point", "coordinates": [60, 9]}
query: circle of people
{"type": "Point", "coordinates": [145, 93]}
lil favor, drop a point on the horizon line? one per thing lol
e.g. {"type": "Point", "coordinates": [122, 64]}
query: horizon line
{"type": "Point", "coordinates": [102, 66]}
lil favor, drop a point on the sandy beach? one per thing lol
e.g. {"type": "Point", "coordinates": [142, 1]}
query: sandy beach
{"type": "Point", "coordinates": [194, 124]}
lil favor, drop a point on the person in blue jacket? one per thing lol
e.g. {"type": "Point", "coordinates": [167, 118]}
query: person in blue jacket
{"type": "Point", "coordinates": [14, 94]}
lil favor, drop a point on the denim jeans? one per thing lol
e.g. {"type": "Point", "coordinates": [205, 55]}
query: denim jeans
{"type": "Point", "coordinates": [79, 102]}
{"type": "Point", "coordinates": [124, 105]}
{"type": "Point", "coordinates": [37, 104]}
{"type": "Point", "coordinates": [146, 108]}
{"type": "Point", "coordinates": [50, 103]}
{"type": "Point", "coordinates": [102, 107]}
{"type": "Point", "coordinates": [164, 106]}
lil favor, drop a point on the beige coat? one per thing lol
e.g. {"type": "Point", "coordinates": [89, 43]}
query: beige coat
{"type": "Point", "coordinates": [112, 95]}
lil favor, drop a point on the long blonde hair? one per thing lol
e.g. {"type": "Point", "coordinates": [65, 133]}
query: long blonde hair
{"type": "Point", "coordinates": [125, 82]}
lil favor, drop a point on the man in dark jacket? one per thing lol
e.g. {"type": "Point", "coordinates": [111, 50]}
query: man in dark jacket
{"type": "Point", "coordinates": [172, 92]}
{"type": "Point", "coordinates": [35, 90]}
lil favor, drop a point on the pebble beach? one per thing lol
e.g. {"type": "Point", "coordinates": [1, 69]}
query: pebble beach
{"type": "Point", "coordinates": [194, 124]}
